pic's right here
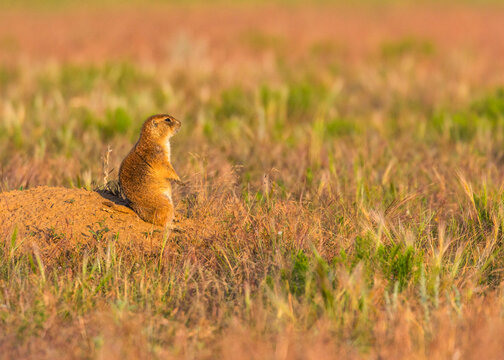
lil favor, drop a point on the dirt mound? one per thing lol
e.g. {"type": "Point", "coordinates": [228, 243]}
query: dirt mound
{"type": "Point", "coordinates": [51, 216]}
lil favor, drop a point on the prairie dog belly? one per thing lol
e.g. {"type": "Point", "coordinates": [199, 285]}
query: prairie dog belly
{"type": "Point", "coordinates": [168, 194]}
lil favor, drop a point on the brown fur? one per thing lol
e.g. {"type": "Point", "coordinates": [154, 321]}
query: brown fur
{"type": "Point", "coordinates": [146, 173]}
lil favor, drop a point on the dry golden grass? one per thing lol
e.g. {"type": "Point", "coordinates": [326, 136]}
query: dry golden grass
{"type": "Point", "coordinates": [334, 206]}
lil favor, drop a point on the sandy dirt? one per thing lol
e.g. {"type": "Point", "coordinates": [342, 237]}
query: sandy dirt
{"type": "Point", "coordinates": [50, 217]}
{"type": "Point", "coordinates": [57, 222]}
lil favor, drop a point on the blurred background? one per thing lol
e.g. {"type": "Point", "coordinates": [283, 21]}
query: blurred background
{"type": "Point", "coordinates": [254, 30]}
{"type": "Point", "coordinates": [77, 76]}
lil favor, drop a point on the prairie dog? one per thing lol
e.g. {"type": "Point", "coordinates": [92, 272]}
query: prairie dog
{"type": "Point", "coordinates": [146, 172]}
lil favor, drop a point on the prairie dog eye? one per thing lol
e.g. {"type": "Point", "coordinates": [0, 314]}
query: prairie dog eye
{"type": "Point", "coordinates": [168, 120]}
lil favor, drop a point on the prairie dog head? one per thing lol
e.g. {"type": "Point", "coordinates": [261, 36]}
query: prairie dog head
{"type": "Point", "coordinates": [159, 128]}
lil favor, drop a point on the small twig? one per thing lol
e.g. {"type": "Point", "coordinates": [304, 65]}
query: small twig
{"type": "Point", "coordinates": [106, 171]}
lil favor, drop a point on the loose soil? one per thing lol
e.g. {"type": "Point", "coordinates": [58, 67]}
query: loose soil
{"type": "Point", "coordinates": [51, 217]}
{"type": "Point", "coordinates": [56, 222]}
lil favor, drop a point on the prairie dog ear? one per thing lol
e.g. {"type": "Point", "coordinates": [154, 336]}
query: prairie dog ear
{"type": "Point", "coordinates": [156, 119]}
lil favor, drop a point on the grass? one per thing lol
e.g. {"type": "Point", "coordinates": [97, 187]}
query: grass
{"type": "Point", "coordinates": [352, 211]}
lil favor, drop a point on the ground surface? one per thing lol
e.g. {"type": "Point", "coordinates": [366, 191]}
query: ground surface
{"type": "Point", "coordinates": [47, 216]}
{"type": "Point", "coordinates": [342, 174]}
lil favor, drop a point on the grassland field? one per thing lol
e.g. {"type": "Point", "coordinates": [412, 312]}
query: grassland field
{"type": "Point", "coordinates": [344, 167]}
